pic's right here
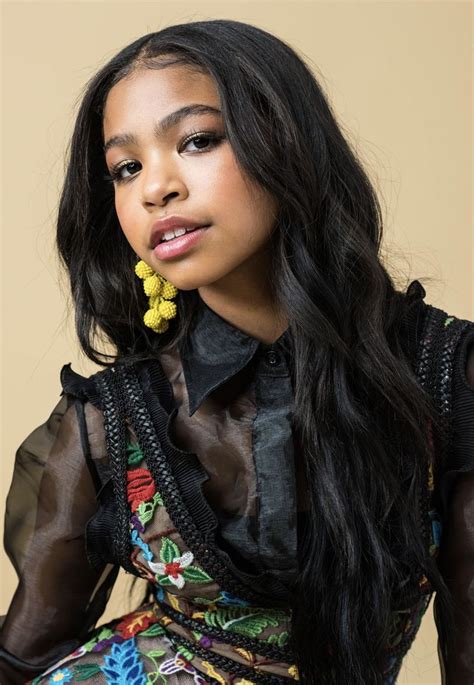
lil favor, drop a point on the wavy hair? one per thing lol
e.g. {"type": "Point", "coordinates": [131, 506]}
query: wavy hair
{"type": "Point", "coordinates": [360, 413]}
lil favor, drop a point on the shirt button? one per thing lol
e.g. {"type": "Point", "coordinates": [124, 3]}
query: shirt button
{"type": "Point", "coordinates": [272, 358]}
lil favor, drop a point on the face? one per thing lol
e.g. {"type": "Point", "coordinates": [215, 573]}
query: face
{"type": "Point", "coordinates": [188, 169]}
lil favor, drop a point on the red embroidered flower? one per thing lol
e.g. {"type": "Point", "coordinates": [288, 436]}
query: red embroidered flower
{"type": "Point", "coordinates": [140, 487]}
{"type": "Point", "coordinates": [135, 623]}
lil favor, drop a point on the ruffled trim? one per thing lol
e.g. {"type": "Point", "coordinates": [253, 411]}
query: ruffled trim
{"type": "Point", "coordinates": [79, 386]}
{"type": "Point", "coordinates": [190, 476]}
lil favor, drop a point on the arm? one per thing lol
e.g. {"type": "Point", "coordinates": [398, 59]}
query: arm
{"type": "Point", "coordinates": [59, 595]}
{"type": "Point", "coordinates": [456, 559]}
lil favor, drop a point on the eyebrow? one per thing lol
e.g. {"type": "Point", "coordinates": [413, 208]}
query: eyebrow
{"type": "Point", "coordinates": [163, 126]}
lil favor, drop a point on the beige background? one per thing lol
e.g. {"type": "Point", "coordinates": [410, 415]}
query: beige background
{"type": "Point", "coordinates": [399, 77]}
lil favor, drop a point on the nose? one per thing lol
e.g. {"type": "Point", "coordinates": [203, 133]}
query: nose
{"type": "Point", "coordinates": [161, 181]}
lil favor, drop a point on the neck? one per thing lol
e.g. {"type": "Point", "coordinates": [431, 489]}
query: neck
{"type": "Point", "coordinates": [244, 300]}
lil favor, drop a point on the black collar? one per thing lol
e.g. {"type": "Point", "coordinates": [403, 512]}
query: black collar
{"type": "Point", "coordinates": [215, 350]}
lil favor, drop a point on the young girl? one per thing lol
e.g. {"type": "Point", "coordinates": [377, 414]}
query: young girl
{"type": "Point", "coordinates": [280, 439]}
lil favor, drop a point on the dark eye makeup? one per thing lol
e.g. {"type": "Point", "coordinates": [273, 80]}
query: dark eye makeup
{"type": "Point", "coordinates": [210, 137]}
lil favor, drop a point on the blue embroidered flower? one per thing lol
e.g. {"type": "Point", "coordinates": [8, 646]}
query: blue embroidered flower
{"type": "Point", "coordinates": [61, 675]}
{"type": "Point", "coordinates": [122, 666]}
{"type": "Point", "coordinates": [228, 598]}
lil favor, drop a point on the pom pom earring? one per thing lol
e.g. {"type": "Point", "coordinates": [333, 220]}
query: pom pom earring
{"type": "Point", "coordinates": [159, 292]}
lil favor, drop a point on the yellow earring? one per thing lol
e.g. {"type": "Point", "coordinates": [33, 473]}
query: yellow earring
{"type": "Point", "coordinates": [160, 292]}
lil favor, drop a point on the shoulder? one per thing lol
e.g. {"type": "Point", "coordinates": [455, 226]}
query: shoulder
{"type": "Point", "coordinates": [77, 386]}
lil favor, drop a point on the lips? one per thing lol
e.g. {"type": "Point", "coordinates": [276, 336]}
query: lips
{"type": "Point", "coordinates": [171, 223]}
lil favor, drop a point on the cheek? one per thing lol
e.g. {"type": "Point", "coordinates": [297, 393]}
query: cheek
{"type": "Point", "coordinates": [226, 182]}
{"type": "Point", "coordinates": [126, 219]}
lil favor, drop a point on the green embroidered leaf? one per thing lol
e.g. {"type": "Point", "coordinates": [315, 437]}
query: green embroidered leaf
{"type": "Point", "coordinates": [86, 671]}
{"type": "Point", "coordinates": [203, 600]}
{"type": "Point", "coordinates": [153, 631]}
{"type": "Point", "coordinates": [152, 678]}
{"type": "Point", "coordinates": [279, 639]}
{"type": "Point", "coordinates": [105, 633]}
{"type": "Point", "coordinates": [185, 652]}
{"type": "Point", "coordinates": [102, 634]}
{"type": "Point", "coordinates": [134, 454]}
{"type": "Point", "coordinates": [146, 510]}
{"type": "Point", "coordinates": [196, 575]}
{"type": "Point", "coordinates": [156, 653]}
{"type": "Point", "coordinates": [164, 580]}
{"type": "Point", "coordinates": [169, 551]}
{"type": "Point", "coordinates": [250, 624]}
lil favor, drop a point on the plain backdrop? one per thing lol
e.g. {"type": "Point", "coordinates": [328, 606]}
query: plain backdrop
{"type": "Point", "coordinates": [399, 77]}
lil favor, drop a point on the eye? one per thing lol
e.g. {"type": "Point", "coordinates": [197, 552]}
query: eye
{"type": "Point", "coordinates": [203, 140]}
{"type": "Point", "coordinates": [116, 171]}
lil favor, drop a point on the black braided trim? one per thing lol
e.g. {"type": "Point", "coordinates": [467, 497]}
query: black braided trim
{"type": "Point", "coordinates": [434, 370]}
{"type": "Point", "coordinates": [435, 362]}
{"type": "Point", "coordinates": [227, 665]}
{"type": "Point", "coordinates": [162, 474]}
{"type": "Point", "coordinates": [114, 425]}
{"type": "Point", "coordinates": [252, 645]}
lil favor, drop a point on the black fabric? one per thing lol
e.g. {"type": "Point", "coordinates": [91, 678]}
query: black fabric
{"type": "Point", "coordinates": [190, 475]}
{"type": "Point", "coordinates": [214, 351]}
{"type": "Point", "coordinates": [61, 509]}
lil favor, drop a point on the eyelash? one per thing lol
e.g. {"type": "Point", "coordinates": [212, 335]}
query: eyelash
{"type": "Point", "coordinates": [115, 177]}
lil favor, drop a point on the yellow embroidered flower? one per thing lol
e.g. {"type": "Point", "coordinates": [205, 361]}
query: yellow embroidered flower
{"type": "Point", "coordinates": [293, 671]}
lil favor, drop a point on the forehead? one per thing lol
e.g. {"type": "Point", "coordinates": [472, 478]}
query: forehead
{"type": "Point", "coordinates": [153, 93]}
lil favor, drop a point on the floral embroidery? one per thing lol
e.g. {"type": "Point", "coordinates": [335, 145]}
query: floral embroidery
{"type": "Point", "coordinates": [62, 675]}
{"type": "Point", "coordinates": [279, 639]}
{"type": "Point", "coordinates": [250, 624]}
{"type": "Point", "coordinates": [134, 454]}
{"type": "Point", "coordinates": [181, 662]}
{"type": "Point", "coordinates": [293, 671]}
{"type": "Point", "coordinates": [145, 510]}
{"type": "Point", "coordinates": [140, 487]}
{"type": "Point", "coordinates": [175, 568]}
{"type": "Point", "coordinates": [86, 671]}
{"type": "Point", "coordinates": [228, 598]}
{"type": "Point", "coordinates": [135, 623]}
{"type": "Point", "coordinates": [122, 666]}
{"type": "Point", "coordinates": [138, 542]}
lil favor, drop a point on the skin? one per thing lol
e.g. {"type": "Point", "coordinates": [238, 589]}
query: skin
{"type": "Point", "coordinates": [229, 266]}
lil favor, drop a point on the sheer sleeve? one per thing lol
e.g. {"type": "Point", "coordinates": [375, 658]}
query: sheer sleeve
{"type": "Point", "coordinates": [60, 595]}
{"type": "Point", "coordinates": [456, 558]}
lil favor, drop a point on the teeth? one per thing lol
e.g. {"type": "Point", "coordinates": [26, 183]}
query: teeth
{"type": "Point", "coordinates": [169, 235]}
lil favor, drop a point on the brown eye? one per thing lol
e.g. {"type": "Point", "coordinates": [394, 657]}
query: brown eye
{"type": "Point", "coordinates": [203, 141]}
{"type": "Point", "coordinates": [128, 166]}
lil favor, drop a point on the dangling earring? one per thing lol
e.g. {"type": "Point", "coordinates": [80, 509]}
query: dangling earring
{"type": "Point", "coordinates": [160, 292]}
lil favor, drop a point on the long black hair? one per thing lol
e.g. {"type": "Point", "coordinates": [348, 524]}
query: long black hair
{"type": "Point", "coordinates": [360, 413]}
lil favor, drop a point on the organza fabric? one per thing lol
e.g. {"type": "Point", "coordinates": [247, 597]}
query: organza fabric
{"type": "Point", "coordinates": [220, 412]}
